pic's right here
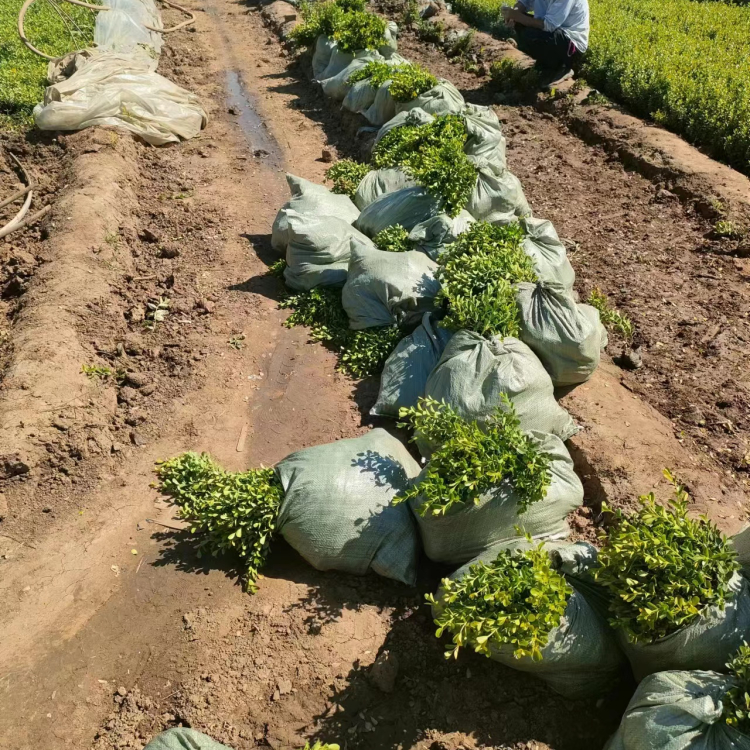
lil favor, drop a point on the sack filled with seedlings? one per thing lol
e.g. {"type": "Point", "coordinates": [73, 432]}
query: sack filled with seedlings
{"type": "Point", "coordinates": [479, 274]}
{"type": "Point", "coordinates": [318, 250]}
{"type": "Point", "coordinates": [677, 597]}
{"type": "Point", "coordinates": [414, 116]}
{"type": "Point", "coordinates": [180, 738]}
{"type": "Point", "coordinates": [433, 235]}
{"type": "Point", "coordinates": [346, 176]}
{"type": "Point", "coordinates": [337, 510]}
{"type": "Point", "coordinates": [432, 154]}
{"type": "Point", "coordinates": [367, 81]}
{"type": "Point", "coordinates": [568, 337]}
{"type": "Point", "coordinates": [475, 373]}
{"type": "Point", "coordinates": [542, 244]}
{"type": "Point", "coordinates": [530, 608]}
{"type": "Point", "coordinates": [406, 207]}
{"type": "Point", "coordinates": [496, 191]}
{"type": "Point", "coordinates": [406, 371]}
{"type": "Point", "coordinates": [485, 142]}
{"type": "Point", "coordinates": [387, 83]}
{"type": "Point", "coordinates": [442, 99]}
{"type": "Point", "coordinates": [379, 182]}
{"type": "Point", "coordinates": [386, 288]}
{"type": "Point", "coordinates": [332, 503]}
{"type": "Point", "coordinates": [309, 199]}
{"type": "Point", "coordinates": [324, 47]}
{"type": "Point", "coordinates": [484, 483]}
{"type": "Point", "coordinates": [347, 29]}
{"type": "Point", "coordinates": [700, 710]}
{"type": "Point", "coordinates": [338, 86]}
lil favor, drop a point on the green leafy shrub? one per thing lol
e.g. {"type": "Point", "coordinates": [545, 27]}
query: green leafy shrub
{"type": "Point", "coordinates": [318, 18]}
{"type": "Point", "coordinates": [408, 81]}
{"type": "Point", "coordinates": [610, 317]}
{"type": "Point", "coordinates": [662, 568]}
{"type": "Point", "coordinates": [346, 175]}
{"type": "Point", "coordinates": [515, 600]}
{"type": "Point", "coordinates": [231, 511]}
{"type": "Point", "coordinates": [477, 274]}
{"type": "Point", "coordinates": [360, 30]}
{"type": "Point", "coordinates": [433, 155]}
{"type": "Point", "coordinates": [54, 29]}
{"type": "Point", "coordinates": [394, 239]}
{"type": "Point", "coordinates": [360, 353]}
{"type": "Point", "coordinates": [510, 76]}
{"type": "Point", "coordinates": [470, 460]}
{"type": "Point", "coordinates": [736, 702]}
{"type": "Point", "coordinates": [366, 351]}
{"type": "Point", "coordinates": [277, 268]}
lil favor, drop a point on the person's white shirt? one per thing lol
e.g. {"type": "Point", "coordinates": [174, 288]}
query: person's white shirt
{"type": "Point", "coordinates": [571, 17]}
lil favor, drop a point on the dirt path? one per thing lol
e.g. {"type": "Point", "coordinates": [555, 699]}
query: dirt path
{"type": "Point", "coordinates": [112, 629]}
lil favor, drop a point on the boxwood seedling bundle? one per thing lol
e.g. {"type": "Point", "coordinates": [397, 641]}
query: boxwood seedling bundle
{"type": "Point", "coordinates": [677, 597]}
{"type": "Point", "coordinates": [526, 605]}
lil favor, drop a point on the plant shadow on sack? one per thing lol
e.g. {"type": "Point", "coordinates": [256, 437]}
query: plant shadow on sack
{"type": "Point", "coordinates": [416, 695]}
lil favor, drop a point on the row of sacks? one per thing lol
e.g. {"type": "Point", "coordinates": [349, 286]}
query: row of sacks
{"type": "Point", "coordinates": [678, 703]}
{"type": "Point", "coordinates": [115, 83]}
{"type": "Point", "coordinates": [338, 511]}
{"type": "Point", "coordinates": [318, 233]}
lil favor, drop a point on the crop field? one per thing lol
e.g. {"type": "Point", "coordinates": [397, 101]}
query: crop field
{"type": "Point", "coordinates": [55, 28]}
{"type": "Point", "coordinates": [682, 63]}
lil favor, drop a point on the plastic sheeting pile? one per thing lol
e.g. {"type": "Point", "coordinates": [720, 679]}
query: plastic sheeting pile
{"type": "Point", "coordinates": [115, 84]}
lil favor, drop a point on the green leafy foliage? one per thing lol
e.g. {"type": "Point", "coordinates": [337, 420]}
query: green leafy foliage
{"type": "Point", "coordinates": [97, 372]}
{"type": "Point", "coordinates": [318, 18]}
{"type": "Point", "coordinates": [232, 512]}
{"type": "Point", "coordinates": [509, 76]}
{"type": "Point", "coordinates": [364, 353]}
{"type": "Point", "coordinates": [728, 229]}
{"type": "Point", "coordinates": [662, 568]}
{"type": "Point", "coordinates": [685, 64]}
{"type": "Point", "coordinates": [515, 600]}
{"type": "Point", "coordinates": [433, 155]}
{"type": "Point", "coordinates": [360, 30]}
{"type": "Point", "coordinates": [470, 460]}
{"type": "Point", "coordinates": [277, 268]}
{"type": "Point", "coordinates": [346, 174]}
{"type": "Point", "coordinates": [408, 80]}
{"type": "Point", "coordinates": [736, 702]}
{"type": "Point", "coordinates": [377, 72]}
{"type": "Point", "coordinates": [319, 746]}
{"type": "Point", "coordinates": [393, 239]}
{"type": "Point", "coordinates": [360, 353]}
{"type": "Point", "coordinates": [477, 274]}
{"type": "Point", "coordinates": [610, 317]}
{"type": "Point", "coordinates": [55, 30]}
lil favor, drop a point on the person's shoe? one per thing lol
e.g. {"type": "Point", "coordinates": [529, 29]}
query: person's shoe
{"type": "Point", "coordinates": [559, 76]}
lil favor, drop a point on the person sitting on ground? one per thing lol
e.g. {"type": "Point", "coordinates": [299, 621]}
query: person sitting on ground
{"type": "Point", "coordinates": [555, 36]}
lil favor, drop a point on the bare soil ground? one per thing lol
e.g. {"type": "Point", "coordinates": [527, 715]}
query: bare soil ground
{"type": "Point", "coordinates": [112, 629]}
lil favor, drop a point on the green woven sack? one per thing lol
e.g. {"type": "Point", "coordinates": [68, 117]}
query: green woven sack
{"type": "Point", "coordinates": [337, 511]}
